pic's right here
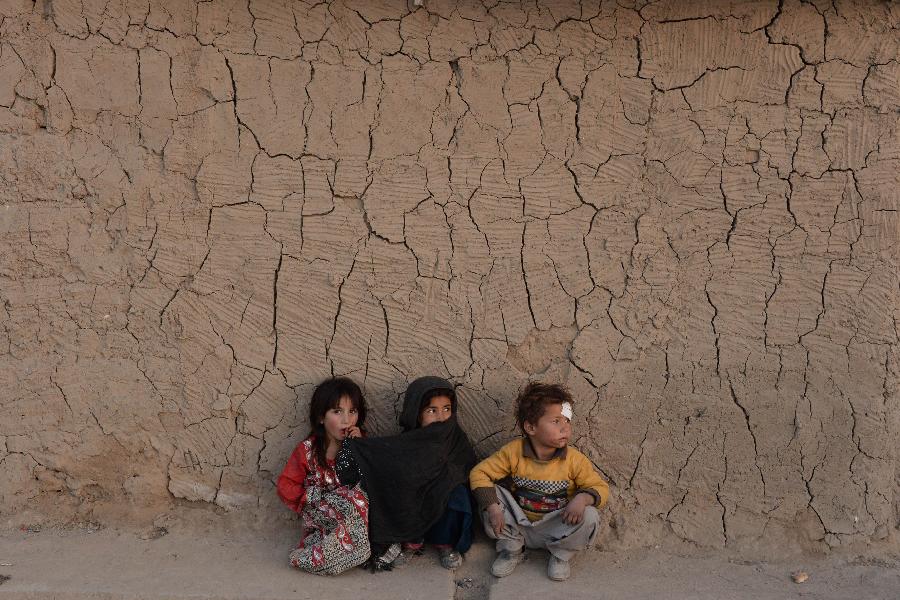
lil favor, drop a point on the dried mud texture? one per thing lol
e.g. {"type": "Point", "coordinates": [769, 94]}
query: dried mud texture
{"type": "Point", "coordinates": [686, 211]}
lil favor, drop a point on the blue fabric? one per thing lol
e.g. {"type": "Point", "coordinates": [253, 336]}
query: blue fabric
{"type": "Point", "coordinates": [455, 525]}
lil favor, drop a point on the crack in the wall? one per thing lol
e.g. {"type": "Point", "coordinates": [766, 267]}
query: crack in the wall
{"type": "Point", "coordinates": [737, 210]}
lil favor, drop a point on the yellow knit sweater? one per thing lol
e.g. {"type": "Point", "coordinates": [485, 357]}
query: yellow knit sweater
{"type": "Point", "coordinates": [539, 486]}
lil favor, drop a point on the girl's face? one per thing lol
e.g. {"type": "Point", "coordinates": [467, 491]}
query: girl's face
{"type": "Point", "coordinates": [439, 409]}
{"type": "Point", "coordinates": [338, 420]}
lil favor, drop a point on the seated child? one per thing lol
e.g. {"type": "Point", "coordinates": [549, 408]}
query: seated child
{"type": "Point", "coordinates": [335, 517]}
{"type": "Point", "coordinates": [452, 533]}
{"type": "Point", "coordinates": [416, 480]}
{"type": "Point", "coordinates": [547, 490]}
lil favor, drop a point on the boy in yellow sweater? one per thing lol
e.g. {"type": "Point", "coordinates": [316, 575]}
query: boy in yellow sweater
{"type": "Point", "coordinates": [537, 491]}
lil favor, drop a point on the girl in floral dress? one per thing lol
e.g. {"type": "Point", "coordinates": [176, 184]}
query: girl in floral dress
{"type": "Point", "coordinates": [334, 516]}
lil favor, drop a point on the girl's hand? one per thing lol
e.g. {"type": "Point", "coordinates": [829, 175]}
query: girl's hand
{"type": "Point", "coordinates": [573, 513]}
{"type": "Point", "coordinates": [495, 515]}
{"type": "Point", "coordinates": [354, 432]}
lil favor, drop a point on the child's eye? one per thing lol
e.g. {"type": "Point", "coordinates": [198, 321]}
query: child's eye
{"type": "Point", "coordinates": [352, 411]}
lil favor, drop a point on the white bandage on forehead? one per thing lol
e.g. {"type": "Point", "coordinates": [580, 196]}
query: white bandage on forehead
{"type": "Point", "coordinates": [567, 410]}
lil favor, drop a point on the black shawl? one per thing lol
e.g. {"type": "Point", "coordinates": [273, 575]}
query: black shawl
{"type": "Point", "coordinates": [409, 476]}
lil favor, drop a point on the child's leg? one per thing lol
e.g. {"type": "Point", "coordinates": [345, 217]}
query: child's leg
{"type": "Point", "coordinates": [511, 540]}
{"type": "Point", "coordinates": [454, 528]}
{"type": "Point", "coordinates": [560, 538]}
{"type": "Point", "coordinates": [512, 536]}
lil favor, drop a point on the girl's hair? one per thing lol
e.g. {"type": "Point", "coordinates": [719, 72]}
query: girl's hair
{"type": "Point", "coordinates": [326, 396]}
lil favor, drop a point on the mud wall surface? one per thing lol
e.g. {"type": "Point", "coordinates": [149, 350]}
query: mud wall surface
{"type": "Point", "coordinates": [685, 211]}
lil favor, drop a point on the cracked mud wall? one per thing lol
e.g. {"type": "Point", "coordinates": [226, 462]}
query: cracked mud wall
{"type": "Point", "coordinates": [686, 211]}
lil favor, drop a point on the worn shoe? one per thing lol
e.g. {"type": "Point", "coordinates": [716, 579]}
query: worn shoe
{"type": "Point", "coordinates": [450, 558]}
{"type": "Point", "coordinates": [558, 569]}
{"type": "Point", "coordinates": [506, 562]}
{"type": "Point", "coordinates": [385, 561]}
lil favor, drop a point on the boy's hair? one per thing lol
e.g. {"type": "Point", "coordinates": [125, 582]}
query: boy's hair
{"type": "Point", "coordinates": [534, 400]}
{"type": "Point", "coordinates": [326, 396]}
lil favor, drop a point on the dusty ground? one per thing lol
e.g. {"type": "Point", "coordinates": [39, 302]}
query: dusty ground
{"type": "Point", "coordinates": [236, 561]}
{"type": "Point", "coordinates": [685, 210]}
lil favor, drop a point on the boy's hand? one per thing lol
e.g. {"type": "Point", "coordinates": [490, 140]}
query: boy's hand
{"type": "Point", "coordinates": [354, 432]}
{"type": "Point", "coordinates": [495, 514]}
{"type": "Point", "coordinates": [573, 513]}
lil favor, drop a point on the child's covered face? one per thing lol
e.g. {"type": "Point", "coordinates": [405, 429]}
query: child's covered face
{"type": "Point", "coordinates": [439, 409]}
{"type": "Point", "coordinates": [338, 420]}
{"type": "Point", "coordinates": [552, 430]}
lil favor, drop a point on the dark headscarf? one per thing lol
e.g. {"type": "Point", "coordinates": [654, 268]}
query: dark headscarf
{"type": "Point", "coordinates": [409, 476]}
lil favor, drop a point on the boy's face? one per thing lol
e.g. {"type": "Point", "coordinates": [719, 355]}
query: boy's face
{"type": "Point", "coordinates": [439, 409]}
{"type": "Point", "coordinates": [552, 430]}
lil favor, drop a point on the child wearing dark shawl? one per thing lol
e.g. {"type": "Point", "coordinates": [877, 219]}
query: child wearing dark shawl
{"type": "Point", "coordinates": [416, 480]}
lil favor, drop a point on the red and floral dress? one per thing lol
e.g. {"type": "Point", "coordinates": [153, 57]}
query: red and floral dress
{"type": "Point", "coordinates": [335, 517]}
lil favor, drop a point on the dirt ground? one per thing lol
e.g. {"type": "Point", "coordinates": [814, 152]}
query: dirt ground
{"type": "Point", "coordinates": [202, 555]}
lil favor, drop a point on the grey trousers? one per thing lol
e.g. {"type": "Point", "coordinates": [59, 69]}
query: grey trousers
{"type": "Point", "coordinates": [550, 533]}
